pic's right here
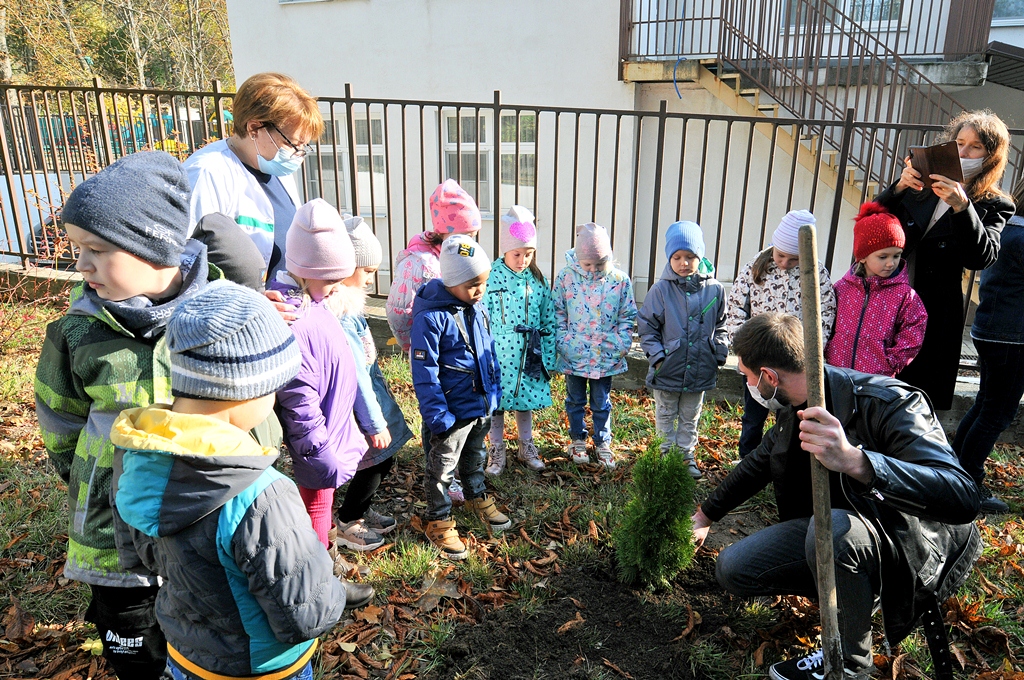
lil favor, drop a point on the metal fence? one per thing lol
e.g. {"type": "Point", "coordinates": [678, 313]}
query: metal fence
{"type": "Point", "coordinates": [632, 171]}
{"type": "Point", "coordinates": [924, 30]}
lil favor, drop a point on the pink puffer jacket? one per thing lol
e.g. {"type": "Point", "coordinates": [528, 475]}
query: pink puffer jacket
{"type": "Point", "coordinates": [879, 323]}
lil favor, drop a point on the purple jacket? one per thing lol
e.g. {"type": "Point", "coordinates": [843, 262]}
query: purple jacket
{"type": "Point", "coordinates": [316, 409]}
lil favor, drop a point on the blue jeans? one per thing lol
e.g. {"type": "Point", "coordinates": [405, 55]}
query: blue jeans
{"type": "Point", "coordinates": [600, 407]}
{"type": "Point", "coordinates": [780, 560]}
{"type": "Point", "coordinates": [752, 419]}
{"type": "Point", "coordinates": [305, 674]}
{"type": "Point", "coordinates": [462, 447]}
{"type": "Point", "coordinates": [1002, 385]}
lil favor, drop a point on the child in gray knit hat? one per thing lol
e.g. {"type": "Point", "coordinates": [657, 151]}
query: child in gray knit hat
{"type": "Point", "coordinates": [248, 586]}
{"type": "Point", "coordinates": [457, 378]}
{"type": "Point", "coordinates": [129, 224]}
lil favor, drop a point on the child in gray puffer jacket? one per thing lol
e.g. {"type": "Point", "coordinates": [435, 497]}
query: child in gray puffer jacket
{"type": "Point", "coordinates": [682, 331]}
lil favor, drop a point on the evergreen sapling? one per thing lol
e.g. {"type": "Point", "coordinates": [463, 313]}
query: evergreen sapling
{"type": "Point", "coordinates": [654, 540]}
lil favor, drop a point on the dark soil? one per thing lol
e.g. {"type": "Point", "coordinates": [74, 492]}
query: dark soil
{"type": "Point", "coordinates": [624, 631]}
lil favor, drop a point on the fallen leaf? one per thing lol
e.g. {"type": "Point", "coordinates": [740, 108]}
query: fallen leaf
{"type": "Point", "coordinates": [579, 605]}
{"type": "Point", "coordinates": [433, 590]}
{"type": "Point", "coordinates": [569, 625]}
{"type": "Point", "coordinates": [370, 614]}
{"type": "Point", "coordinates": [897, 667]}
{"type": "Point", "coordinates": [93, 646]}
{"type": "Point", "coordinates": [347, 646]}
{"type": "Point", "coordinates": [18, 623]}
{"type": "Point", "coordinates": [17, 539]}
{"type": "Point", "coordinates": [759, 654]}
{"type": "Point", "coordinates": [615, 668]}
{"type": "Point", "coordinates": [961, 658]}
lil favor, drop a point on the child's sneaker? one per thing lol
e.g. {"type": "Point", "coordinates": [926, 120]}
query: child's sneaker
{"type": "Point", "coordinates": [442, 533]}
{"type": "Point", "coordinates": [605, 455]}
{"type": "Point", "coordinates": [810, 667]}
{"type": "Point", "coordinates": [379, 523]}
{"type": "Point", "coordinates": [484, 508]}
{"type": "Point", "coordinates": [530, 456]}
{"type": "Point", "coordinates": [691, 464]}
{"type": "Point", "coordinates": [578, 452]}
{"type": "Point", "coordinates": [456, 493]}
{"type": "Point", "coordinates": [357, 536]}
{"type": "Point", "coordinates": [495, 459]}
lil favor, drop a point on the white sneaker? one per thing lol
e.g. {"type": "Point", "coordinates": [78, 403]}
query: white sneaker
{"type": "Point", "coordinates": [381, 524]}
{"type": "Point", "coordinates": [605, 455]}
{"type": "Point", "coordinates": [578, 452]}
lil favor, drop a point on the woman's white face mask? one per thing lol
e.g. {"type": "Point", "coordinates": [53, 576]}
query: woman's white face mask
{"type": "Point", "coordinates": [971, 167]}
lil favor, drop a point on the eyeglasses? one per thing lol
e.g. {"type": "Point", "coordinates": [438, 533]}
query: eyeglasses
{"type": "Point", "coordinates": [299, 151]}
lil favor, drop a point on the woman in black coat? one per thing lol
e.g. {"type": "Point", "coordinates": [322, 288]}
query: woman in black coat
{"type": "Point", "coordinates": [951, 227]}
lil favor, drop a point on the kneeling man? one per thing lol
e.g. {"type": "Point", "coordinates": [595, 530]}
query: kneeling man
{"type": "Point", "coordinates": [902, 507]}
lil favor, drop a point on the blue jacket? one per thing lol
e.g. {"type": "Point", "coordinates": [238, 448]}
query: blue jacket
{"type": "Point", "coordinates": [248, 586]}
{"type": "Point", "coordinates": [683, 324]}
{"type": "Point", "coordinates": [453, 381]}
{"type": "Point", "coordinates": [1001, 293]}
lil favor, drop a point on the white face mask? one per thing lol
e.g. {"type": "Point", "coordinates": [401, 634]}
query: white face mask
{"type": "Point", "coordinates": [971, 166]}
{"type": "Point", "coordinates": [771, 403]}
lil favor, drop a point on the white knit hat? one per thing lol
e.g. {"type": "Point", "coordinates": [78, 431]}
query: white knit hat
{"type": "Point", "coordinates": [787, 235]}
{"type": "Point", "coordinates": [364, 242]}
{"type": "Point", "coordinates": [517, 230]}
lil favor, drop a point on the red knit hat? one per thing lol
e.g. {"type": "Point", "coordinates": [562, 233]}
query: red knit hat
{"type": "Point", "coordinates": [876, 228]}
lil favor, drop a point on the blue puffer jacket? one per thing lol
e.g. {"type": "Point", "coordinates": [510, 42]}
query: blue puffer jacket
{"type": "Point", "coordinates": [683, 324]}
{"type": "Point", "coordinates": [999, 317]}
{"type": "Point", "coordinates": [248, 586]}
{"type": "Point", "coordinates": [453, 381]}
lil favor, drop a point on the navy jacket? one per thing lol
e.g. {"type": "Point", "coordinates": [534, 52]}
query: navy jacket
{"type": "Point", "coordinates": [453, 379]}
{"type": "Point", "coordinates": [1002, 290]}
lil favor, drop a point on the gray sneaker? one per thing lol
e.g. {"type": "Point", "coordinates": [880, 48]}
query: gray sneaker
{"type": "Point", "coordinates": [378, 523]}
{"type": "Point", "coordinates": [359, 537]}
{"type": "Point", "coordinates": [530, 456]}
{"type": "Point", "coordinates": [605, 455]}
{"type": "Point", "coordinates": [578, 452]}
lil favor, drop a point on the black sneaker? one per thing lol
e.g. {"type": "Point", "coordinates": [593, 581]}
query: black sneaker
{"type": "Point", "coordinates": [806, 668]}
{"type": "Point", "coordinates": [990, 505]}
{"type": "Point", "coordinates": [810, 667]}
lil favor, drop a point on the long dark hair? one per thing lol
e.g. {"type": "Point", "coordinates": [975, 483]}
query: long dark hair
{"type": "Point", "coordinates": [992, 132]}
{"type": "Point", "coordinates": [761, 263]}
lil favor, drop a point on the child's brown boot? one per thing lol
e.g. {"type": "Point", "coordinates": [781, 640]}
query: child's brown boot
{"type": "Point", "coordinates": [484, 508]}
{"type": "Point", "coordinates": [442, 533]}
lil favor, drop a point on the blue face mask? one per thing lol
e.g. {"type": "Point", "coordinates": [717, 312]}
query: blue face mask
{"type": "Point", "coordinates": [282, 164]}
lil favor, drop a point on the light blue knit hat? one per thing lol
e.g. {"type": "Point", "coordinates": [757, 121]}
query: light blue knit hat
{"type": "Point", "coordinates": [228, 343]}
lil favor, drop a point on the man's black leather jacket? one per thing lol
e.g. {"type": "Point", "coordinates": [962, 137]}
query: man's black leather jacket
{"type": "Point", "coordinates": [921, 504]}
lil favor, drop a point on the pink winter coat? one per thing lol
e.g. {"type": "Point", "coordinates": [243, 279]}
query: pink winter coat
{"type": "Point", "coordinates": [879, 323]}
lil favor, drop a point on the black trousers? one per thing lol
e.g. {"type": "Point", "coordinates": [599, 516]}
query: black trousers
{"type": "Point", "coordinates": [133, 643]}
{"type": "Point", "coordinates": [361, 488]}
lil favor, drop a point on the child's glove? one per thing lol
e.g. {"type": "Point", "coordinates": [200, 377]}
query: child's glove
{"type": "Point", "coordinates": [534, 365]}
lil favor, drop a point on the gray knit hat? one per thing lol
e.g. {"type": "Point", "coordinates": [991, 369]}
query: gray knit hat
{"type": "Point", "coordinates": [364, 242]}
{"type": "Point", "coordinates": [228, 343]}
{"type": "Point", "coordinates": [462, 259]}
{"type": "Point", "coordinates": [140, 203]}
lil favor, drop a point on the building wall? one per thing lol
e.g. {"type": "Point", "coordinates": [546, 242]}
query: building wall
{"type": "Point", "coordinates": [535, 51]}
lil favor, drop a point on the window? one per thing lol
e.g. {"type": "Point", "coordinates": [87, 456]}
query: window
{"type": "Point", "coordinates": [527, 128]}
{"type": "Point", "coordinates": [363, 131]}
{"type": "Point", "coordinates": [363, 163]}
{"type": "Point", "coordinates": [1009, 9]}
{"type": "Point", "coordinates": [527, 169]}
{"type": "Point", "coordinates": [465, 133]}
{"type": "Point", "coordinates": [864, 12]}
{"type": "Point", "coordinates": [468, 135]}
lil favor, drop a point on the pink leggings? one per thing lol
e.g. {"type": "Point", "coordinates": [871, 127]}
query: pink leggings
{"type": "Point", "coordinates": [318, 504]}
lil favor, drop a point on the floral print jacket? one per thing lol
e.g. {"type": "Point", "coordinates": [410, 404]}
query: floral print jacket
{"type": "Point", "coordinates": [779, 292]}
{"type": "Point", "coordinates": [594, 317]}
{"type": "Point", "coordinates": [415, 265]}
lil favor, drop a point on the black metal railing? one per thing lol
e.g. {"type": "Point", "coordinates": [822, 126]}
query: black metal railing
{"type": "Point", "coordinates": [632, 171]}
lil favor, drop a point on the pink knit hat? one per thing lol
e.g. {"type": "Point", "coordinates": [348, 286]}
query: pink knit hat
{"type": "Point", "coordinates": [317, 245]}
{"type": "Point", "coordinates": [517, 230]}
{"type": "Point", "coordinates": [592, 242]}
{"type": "Point", "coordinates": [452, 210]}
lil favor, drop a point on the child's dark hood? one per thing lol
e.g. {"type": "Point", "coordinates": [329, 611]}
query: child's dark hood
{"type": "Point", "coordinates": [177, 468]}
